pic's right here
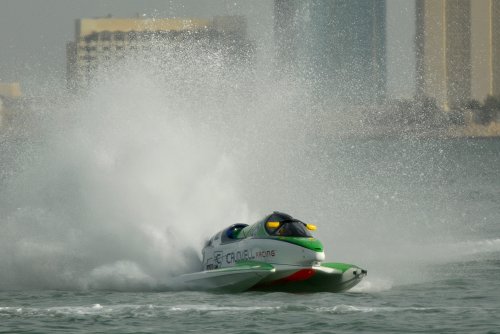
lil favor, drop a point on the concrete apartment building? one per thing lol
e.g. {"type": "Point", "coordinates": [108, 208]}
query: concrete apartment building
{"type": "Point", "coordinates": [340, 45]}
{"type": "Point", "coordinates": [458, 50]}
{"type": "Point", "coordinates": [103, 41]}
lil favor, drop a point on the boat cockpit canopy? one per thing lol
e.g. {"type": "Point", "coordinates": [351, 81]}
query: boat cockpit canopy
{"type": "Point", "coordinates": [283, 225]}
{"type": "Point", "coordinates": [232, 232]}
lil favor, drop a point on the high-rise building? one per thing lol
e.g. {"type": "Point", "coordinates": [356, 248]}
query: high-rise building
{"type": "Point", "coordinates": [458, 50]}
{"type": "Point", "coordinates": [443, 47]}
{"type": "Point", "coordinates": [340, 45]}
{"type": "Point", "coordinates": [103, 41]}
{"type": "Point", "coordinates": [485, 48]}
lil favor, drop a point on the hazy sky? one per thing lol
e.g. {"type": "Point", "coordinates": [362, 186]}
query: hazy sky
{"type": "Point", "coordinates": [33, 33]}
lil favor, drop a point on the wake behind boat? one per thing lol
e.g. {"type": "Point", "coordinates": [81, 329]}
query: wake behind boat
{"type": "Point", "coordinates": [277, 253]}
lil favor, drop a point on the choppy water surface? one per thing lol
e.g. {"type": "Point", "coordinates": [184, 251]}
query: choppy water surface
{"type": "Point", "coordinates": [462, 298]}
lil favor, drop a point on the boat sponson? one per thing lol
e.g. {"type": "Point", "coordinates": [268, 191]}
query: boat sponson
{"type": "Point", "coordinates": [329, 277]}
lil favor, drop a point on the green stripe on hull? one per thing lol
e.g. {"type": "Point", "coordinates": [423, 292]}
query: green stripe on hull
{"type": "Point", "coordinates": [309, 243]}
{"type": "Point", "coordinates": [249, 263]}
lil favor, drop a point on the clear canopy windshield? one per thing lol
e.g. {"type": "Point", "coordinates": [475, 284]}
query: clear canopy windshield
{"type": "Point", "coordinates": [290, 229]}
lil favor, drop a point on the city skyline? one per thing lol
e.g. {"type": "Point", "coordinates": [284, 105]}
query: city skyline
{"type": "Point", "coordinates": [408, 65]}
{"type": "Point", "coordinates": [36, 56]}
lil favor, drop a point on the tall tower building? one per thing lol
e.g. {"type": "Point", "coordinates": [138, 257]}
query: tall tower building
{"type": "Point", "coordinates": [340, 45]}
{"type": "Point", "coordinates": [443, 47]}
{"type": "Point", "coordinates": [485, 46]}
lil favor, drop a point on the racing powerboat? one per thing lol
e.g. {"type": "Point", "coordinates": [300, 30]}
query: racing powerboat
{"type": "Point", "coordinates": [277, 253]}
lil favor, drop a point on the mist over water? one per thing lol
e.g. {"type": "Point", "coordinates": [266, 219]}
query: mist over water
{"type": "Point", "coordinates": [118, 187]}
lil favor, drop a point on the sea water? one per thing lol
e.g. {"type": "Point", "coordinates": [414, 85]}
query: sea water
{"type": "Point", "coordinates": [105, 196]}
